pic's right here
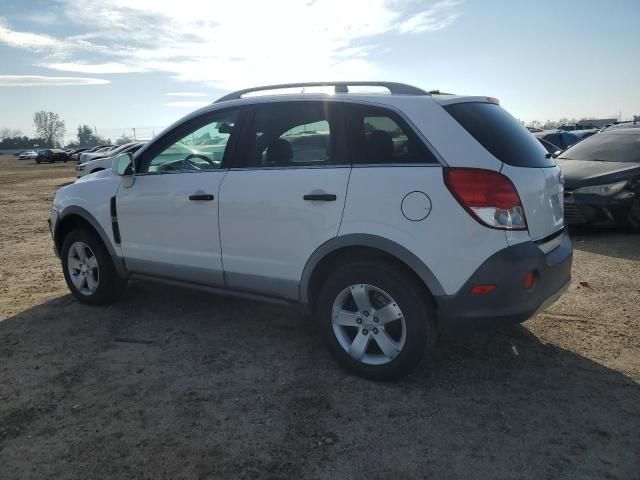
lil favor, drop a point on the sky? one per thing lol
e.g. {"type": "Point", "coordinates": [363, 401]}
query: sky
{"type": "Point", "coordinates": [122, 64]}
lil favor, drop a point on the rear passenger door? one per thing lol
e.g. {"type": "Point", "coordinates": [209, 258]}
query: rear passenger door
{"type": "Point", "coordinates": [285, 197]}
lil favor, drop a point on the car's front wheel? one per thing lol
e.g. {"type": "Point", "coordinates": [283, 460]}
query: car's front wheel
{"type": "Point", "coordinates": [376, 319]}
{"type": "Point", "coordinates": [88, 269]}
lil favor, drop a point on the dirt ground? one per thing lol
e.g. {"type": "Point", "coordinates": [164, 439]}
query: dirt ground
{"type": "Point", "coordinates": [223, 388]}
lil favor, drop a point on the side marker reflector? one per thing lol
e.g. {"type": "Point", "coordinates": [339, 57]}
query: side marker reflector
{"type": "Point", "coordinates": [529, 280]}
{"type": "Point", "coordinates": [482, 289]}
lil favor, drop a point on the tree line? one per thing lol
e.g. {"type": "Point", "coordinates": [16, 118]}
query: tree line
{"type": "Point", "coordinates": [50, 131]}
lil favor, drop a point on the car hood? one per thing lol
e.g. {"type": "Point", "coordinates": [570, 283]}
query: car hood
{"type": "Point", "coordinates": [95, 176]}
{"type": "Point", "coordinates": [93, 156]}
{"type": "Point", "coordinates": [580, 173]}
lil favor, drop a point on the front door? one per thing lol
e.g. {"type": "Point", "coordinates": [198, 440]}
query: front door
{"type": "Point", "coordinates": [286, 198]}
{"type": "Point", "coordinates": [168, 218]}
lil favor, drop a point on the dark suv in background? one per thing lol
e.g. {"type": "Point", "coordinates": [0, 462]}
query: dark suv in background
{"type": "Point", "coordinates": [51, 155]}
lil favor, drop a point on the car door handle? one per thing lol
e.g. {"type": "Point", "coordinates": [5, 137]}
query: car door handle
{"type": "Point", "coordinates": [320, 197]}
{"type": "Point", "coordinates": [205, 197]}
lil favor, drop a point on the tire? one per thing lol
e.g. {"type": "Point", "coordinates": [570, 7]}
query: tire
{"type": "Point", "coordinates": [384, 285]}
{"type": "Point", "coordinates": [101, 284]}
{"type": "Point", "coordinates": [38, 162]}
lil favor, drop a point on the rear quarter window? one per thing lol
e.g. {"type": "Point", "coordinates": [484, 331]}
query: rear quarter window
{"type": "Point", "coordinates": [501, 134]}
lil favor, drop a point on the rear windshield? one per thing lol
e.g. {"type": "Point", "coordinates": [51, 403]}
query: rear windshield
{"type": "Point", "coordinates": [606, 147]}
{"type": "Point", "coordinates": [501, 134]}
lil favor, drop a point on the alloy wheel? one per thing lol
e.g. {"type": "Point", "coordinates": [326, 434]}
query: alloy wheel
{"type": "Point", "coordinates": [368, 324]}
{"type": "Point", "coordinates": [83, 268]}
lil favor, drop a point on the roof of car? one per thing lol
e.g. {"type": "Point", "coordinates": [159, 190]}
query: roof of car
{"type": "Point", "coordinates": [366, 91]}
{"type": "Point", "coordinates": [621, 131]}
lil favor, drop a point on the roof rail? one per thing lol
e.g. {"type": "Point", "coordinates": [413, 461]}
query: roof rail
{"type": "Point", "coordinates": [339, 87]}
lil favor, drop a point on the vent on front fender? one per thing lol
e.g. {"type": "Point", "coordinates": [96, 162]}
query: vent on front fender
{"type": "Point", "coordinates": [114, 221]}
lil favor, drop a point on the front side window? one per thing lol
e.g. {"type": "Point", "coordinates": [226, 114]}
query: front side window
{"type": "Point", "coordinates": [379, 136]}
{"type": "Point", "coordinates": [292, 134]}
{"type": "Point", "coordinates": [202, 149]}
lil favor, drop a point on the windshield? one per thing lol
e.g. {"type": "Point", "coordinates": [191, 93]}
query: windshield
{"type": "Point", "coordinates": [606, 147]}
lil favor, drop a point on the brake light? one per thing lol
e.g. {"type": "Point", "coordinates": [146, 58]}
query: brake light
{"type": "Point", "coordinates": [488, 196]}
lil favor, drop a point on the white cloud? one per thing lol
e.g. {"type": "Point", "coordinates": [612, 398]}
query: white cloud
{"type": "Point", "coordinates": [187, 94]}
{"type": "Point", "coordinates": [95, 68]}
{"type": "Point", "coordinates": [232, 44]}
{"type": "Point", "coordinates": [43, 81]}
{"type": "Point", "coordinates": [42, 18]}
{"type": "Point", "coordinates": [187, 104]}
{"type": "Point", "coordinates": [27, 40]}
{"type": "Point", "coordinates": [440, 16]}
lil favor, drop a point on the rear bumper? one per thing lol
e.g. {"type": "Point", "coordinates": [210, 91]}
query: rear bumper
{"type": "Point", "coordinates": [510, 302]}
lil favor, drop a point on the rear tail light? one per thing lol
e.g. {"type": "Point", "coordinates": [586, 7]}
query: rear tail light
{"type": "Point", "coordinates": [488, 196]}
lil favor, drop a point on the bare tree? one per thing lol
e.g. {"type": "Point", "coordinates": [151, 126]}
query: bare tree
{"type": "Point", "coordinates": [49, 126]}
{"type": "Point", "coordinates": [9, 133]}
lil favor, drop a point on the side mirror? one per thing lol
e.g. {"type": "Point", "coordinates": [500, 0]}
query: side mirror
{"type": "Point", "coordinates": [124, 167]}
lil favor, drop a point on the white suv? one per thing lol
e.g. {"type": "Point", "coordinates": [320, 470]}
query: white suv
{"type": "Point", "coordinates": [389, 216]}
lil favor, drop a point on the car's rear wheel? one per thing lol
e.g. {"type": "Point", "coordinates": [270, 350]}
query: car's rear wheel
{"type": "Point", "coordinates": [376, 319]}
{"type": "Point", "coordinates": [88, 269]}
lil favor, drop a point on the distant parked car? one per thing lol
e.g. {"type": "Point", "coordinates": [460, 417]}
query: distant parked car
{"type": "Point", "coordinates": [96, 153]}
{"type": "Point", "coordinates": [602, 179]}
{"type": "Point", "coordinates": [108, 152]}
{"type": "Point", "coordinates": [585, 133]}
{"type": "Point", "coordinates": [27, 155]}
{"type": "Point", "coordinates": [51, 155]}
{"type": "Point", "coordinates": [561, 138]}
{"type": "Point", "coordinates": [104, 163]}
{"type": "Point", "coordinates": [74, 154]}
{"type": "Point", "coordinates": [621, 125]}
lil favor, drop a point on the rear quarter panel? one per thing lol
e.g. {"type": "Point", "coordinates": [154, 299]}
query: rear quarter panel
{"type": "Point", "coordinates": [448, 241]}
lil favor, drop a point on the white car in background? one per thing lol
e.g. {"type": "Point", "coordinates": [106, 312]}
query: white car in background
{"type": "Point", "coordinates": [28, 155]}
{"type": "Point", "coordinates": [104, 163]}
{"type": "Point", "coordinates": [101, 152]}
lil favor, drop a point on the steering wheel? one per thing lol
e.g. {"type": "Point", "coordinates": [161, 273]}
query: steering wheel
{"type": "Point", "coordinates": [187, 161]}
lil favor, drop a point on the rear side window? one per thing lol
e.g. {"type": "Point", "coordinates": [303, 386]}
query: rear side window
{"type": "Point", "coordinates": [293, 134]}
{"type": "Point", "coordinates": [379, 136]}
{"type": "Point", "coordinates": [501, 134]}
